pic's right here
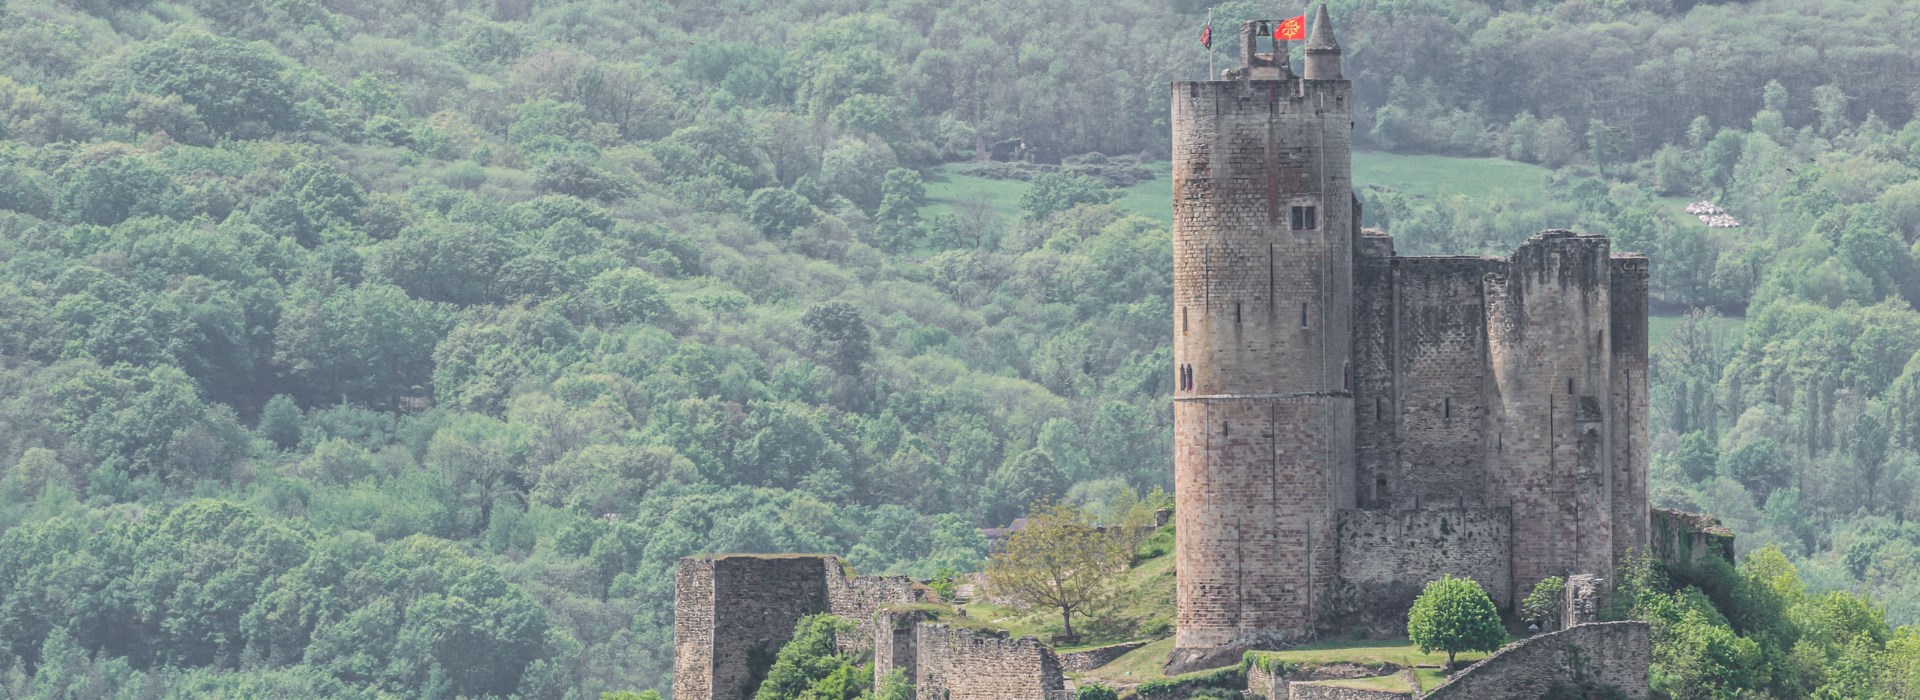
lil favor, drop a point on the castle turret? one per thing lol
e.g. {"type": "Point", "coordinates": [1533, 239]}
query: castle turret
{"type": "Point", "coordinates": [1264, 236]}
{"type": "Point", "coordinates": [1323, 51]}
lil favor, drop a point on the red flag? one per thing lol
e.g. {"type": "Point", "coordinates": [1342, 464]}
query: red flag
{"type": "Point", "coordinates": [1294, 29]}
{"type": "Point", "coordinates": [1206, 35]}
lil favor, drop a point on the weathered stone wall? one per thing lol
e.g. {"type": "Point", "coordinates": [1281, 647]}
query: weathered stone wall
{"type": "Point", "coordinates": [1683, 539]}
{"type": "Point", "coordinates": [1316, 691]}
{"type": "Point", "coordinates": [1262, 327]}
{"type": "Point", "coordinates": [960, 664]}
{"type": "Point", "coordinates": [1617, 654]}
{"type": "Point", "coordinates": [1547, 316]}
{"type": "Point", "coordinates": [859, 599]}
{"type": "Point", "coordinates": [1440, 339]}
{"type": "Point", "coordinates": [1581, 600]}
{"type": "Point", "coordinates": [1387, 557]}
{"type": "Point", "coordinates": [1376, 400]}
{"type": "Point", "coordinates": [1631, 442]}
{"type": "Point", "coordinates": [693, 628]}
{"type": "Point", "coordinates": [893, 642]}
{"type": "Point", "coordinates": [733, 612]}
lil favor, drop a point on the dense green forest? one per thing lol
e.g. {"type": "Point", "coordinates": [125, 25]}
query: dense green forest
{"type": "Point", "coordinates": [367, 349]}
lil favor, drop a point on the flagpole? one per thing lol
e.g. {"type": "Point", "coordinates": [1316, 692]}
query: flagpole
{"type": "Point", "coordinates": [1209, 25]}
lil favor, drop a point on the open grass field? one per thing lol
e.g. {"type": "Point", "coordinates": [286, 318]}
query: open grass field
{"type": "Point", "coordinates": [1434, 176]}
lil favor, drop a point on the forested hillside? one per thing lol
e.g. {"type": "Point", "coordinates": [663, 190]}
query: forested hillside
{"type": "Point", "coordinates": [352, 348]}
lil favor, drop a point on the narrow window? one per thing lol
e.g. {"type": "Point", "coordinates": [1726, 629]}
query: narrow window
{"type": "Point", "coordinates": [1305, 219]}
{"type": "Point", "coordinates": [1223, 429]}
{"type": "Point", "coordinates": [1377, 406]}
{"type": "Point", "coordinates": [1303, 315]}
{"type": "Point", "coordinates": [1236, 312]}
{"type": "Point", "coordinates": [1447, 408]}
{"type": "Point", "coordinates": [1183, 320]}
{"type": "Point", "coordinates": [1569, 386]}
{"type": "Point", "coordinates": [1380, 487]}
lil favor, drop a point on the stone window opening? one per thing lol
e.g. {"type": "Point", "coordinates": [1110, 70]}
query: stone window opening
{"type": "Point", "coordinates": [1236, 312]}
{"type": "Point", "coordinates": [1223, 429]}
{"type": "Point", "coordinates": [1183, 320]}
{"type": "Point", "coordinates": [1446, 408]}
{"type": "Point", "coordinates": [1303, 314]}
{"type": "Point", "coordinates": [1380, 487]}
{"type": "Point", "coordinates": [1377, 406]}
{"type": "Point", "coordinates": [1305, 219]}
{"type": "Point", "coordinates": [1569, 386]}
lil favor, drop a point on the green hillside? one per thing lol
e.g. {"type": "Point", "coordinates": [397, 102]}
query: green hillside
{"type": "Point", "coordinates": [359, 349]}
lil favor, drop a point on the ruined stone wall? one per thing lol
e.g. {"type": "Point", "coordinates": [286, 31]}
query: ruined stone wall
{"type": "Point", "coordinates": [1263, 412]}
{"type": "Point", "coordinates": [1316, 691]}
{"type": "Point", "coordinates": [1548, 315]}
{"type": "Point", "coordinates": [1631, 439]}
{"type": "Point", "coordinates": [733, 614]}
{"type": "Point", "coordinates": [693, 628]}
{"type": "Point", "coordinates": [960, 664]}
{"type": "Point", "coordinates": [859, 599]}
{"type": "Point", "coordinates": [1683, 539]}
{"type": "Point", "coordinates": [1388, 556]}
{"type": "Point", "coordinates": [893, 643]}
{"type": "Point", "coordinates": [1617, 654]}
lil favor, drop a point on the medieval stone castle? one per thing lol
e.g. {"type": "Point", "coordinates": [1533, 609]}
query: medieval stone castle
{"type": "Point", "coordinates": [1349, 425]}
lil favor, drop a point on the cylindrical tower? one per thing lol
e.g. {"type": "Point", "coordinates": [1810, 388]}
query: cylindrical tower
{"type": "Point", "coordinates": [1264, 240]}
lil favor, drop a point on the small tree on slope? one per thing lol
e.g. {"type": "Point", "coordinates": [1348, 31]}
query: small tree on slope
{"type": "Point", "coordinates": [1454, 614]}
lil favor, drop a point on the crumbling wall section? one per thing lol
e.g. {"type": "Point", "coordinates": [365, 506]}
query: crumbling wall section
{"type": "Point", "coordinates": [1615, 654]}
{"type": "Point", "coordinates": [733, 614]}
{"type": "Point", "coordinates": [960, 664]}
{"type": "Point", "coordinates": [1683, 539]}
{"type": "Point", "coordinates": [894, 643]}
{"type": "Point", "coordinates": [860, 599]}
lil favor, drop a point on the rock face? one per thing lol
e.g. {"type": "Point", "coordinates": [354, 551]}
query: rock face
{"type": "Point", "coordinates": [1351, 423]}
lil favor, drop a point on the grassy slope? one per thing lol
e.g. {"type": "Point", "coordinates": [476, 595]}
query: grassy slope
{"type": "Point", "coordinates": [1417, 175]}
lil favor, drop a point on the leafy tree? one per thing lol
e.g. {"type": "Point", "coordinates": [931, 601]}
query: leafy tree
{"type": "Point", "coordinates": [777, 212]}
{"type": "Point", "coordinates": [280, 422]}
{"type": "Point", "coordinates": [837, 333]}
{"type": "Point", "coordinates": [1543, 603]}
{"type": "Point", "coordinates": [1454, 615]}
{"type": "Point", "coordinates": [237, 88]}
{"type": "Point", "coordinates": [808, 661]}
{"type": "Point", "coordinates": [1052, 193]}
{"type": "Point", "coordinates": [1697, 456]}
{"type": "Point", "coordinates": [1057, 561]}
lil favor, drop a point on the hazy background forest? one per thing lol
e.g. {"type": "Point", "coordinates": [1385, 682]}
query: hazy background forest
{"type": "Point", "coordinates": [352, 347]}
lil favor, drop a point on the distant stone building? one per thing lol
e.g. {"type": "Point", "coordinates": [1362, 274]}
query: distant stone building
{"type": "Point", "coordinates": [1351, 423]}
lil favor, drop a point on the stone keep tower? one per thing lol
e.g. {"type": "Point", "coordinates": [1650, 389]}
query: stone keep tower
{"type": "Point", "coordinates": [1264, 238]}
